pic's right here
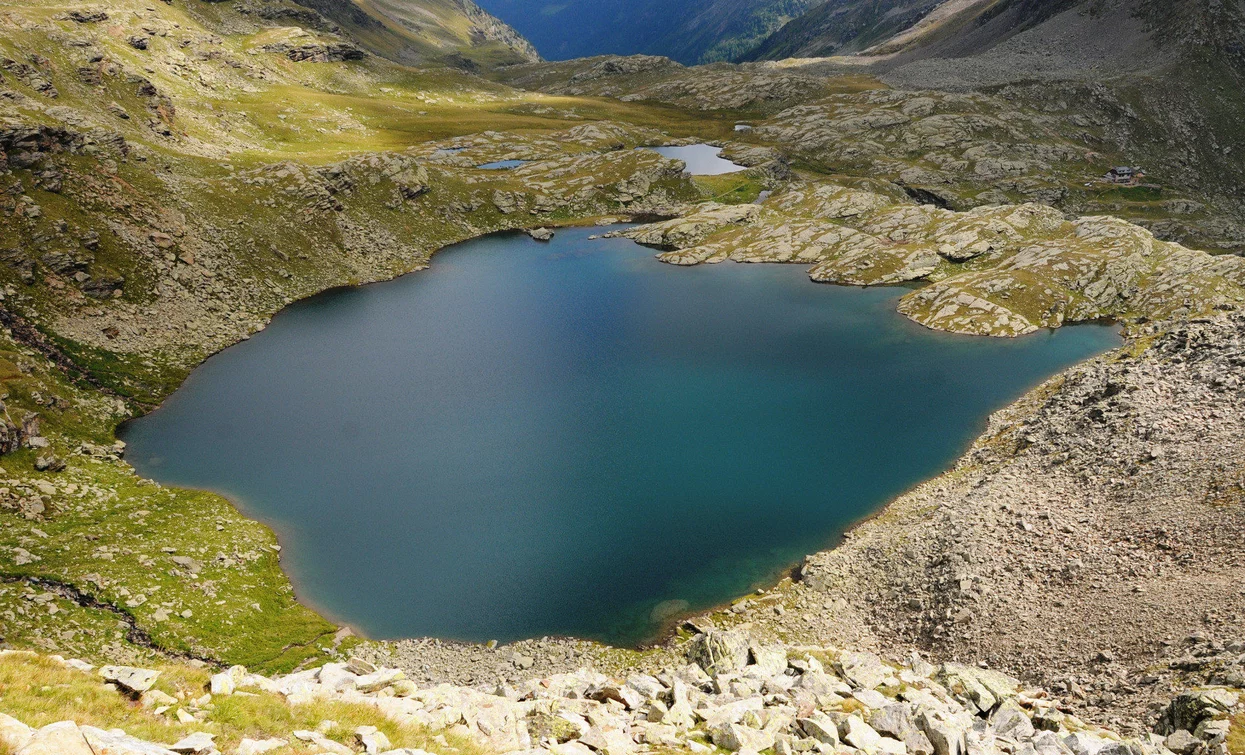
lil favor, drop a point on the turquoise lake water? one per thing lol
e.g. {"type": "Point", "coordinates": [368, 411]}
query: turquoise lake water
{"type": "Point", "coordinates": [573, 438]}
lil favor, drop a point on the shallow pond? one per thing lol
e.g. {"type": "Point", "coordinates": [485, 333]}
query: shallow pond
{"type": "Point", "coordinates": [501, 165]}
{"type": "Point", "coordinates": [574, 438]}
{"type": "Point", "coordinates": [701, 159]}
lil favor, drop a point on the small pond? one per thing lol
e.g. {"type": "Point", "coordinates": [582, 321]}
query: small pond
{"type": "Point", "coordinates": [501, 165]}
{"type": "Point", "coordinates": [701, 159]}
{"type": "Point", "coordinates": [574, 438]}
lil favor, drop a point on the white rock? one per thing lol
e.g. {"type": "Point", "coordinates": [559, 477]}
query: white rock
{"type": "Point", "coordinates": [863, 670]}
{"type": "Point", "coordinates": [739, 738]}
{"type": "Point", "coordinates": [154, 698]}
{"type": "Point", "coordinates": [860, 735]}
{"type": "Point", "coordinates": [946, 737]}
{"type": "Point", "coordinates": [222, 684]}
{"type": "Point", "coordinates": [257, 746]}
{"type": "Point", "coordinates": [821, 728]}
{"type": "Point", "coordinates": [335, 677]}
{"type": "Point", "coordinates": [609, 741]}
{"type": "Point", "coordinates": [871, 698]}
{"type": "Point", "coordinates": [136, 680]}
{"type": "Point", "coordinates": [14, 733]}
{"type": "Point", "coordinates": [378, 680]}
{"type": "Point", "coordinates": [61, 738]}
{"type": "Point", "coordinates": [198, 742]}
{"type": "Point", "coordinates": [372, 739]}
{"type": "Point", "coordinates": [117, 742]}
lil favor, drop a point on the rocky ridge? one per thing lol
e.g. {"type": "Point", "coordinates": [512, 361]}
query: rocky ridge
{"type": "Point", "coordinates": [1000, 270]}
{"type": "Point", "coordinates": [956, 149]}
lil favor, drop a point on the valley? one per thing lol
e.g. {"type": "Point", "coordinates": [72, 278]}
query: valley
{"type": "Point", "coordinates": [175, 174]}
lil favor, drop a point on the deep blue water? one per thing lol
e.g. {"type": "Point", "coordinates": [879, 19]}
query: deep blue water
{"type": "Point", "coordinates": [701, 159]}
{"type": "Point", "coordinates": [562, 438]}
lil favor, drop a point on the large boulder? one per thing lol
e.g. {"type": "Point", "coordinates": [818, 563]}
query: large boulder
{"type": "Point", "coordinates": [133, 680]}
{"type": "Point", "coordinates": [856, 733]}
{"type": "Point", "coordinates": [946, 736]}
{"type": "Point", "coordinates": [13, 733]}
{"type": "Point", "coordinates": [768, 660]}
{"type": "Point", "coordinates": [117, 742]}
{"type": "Point", "coordinates": [821, 728]}
{"type": "Point", "coordinates": [199, 742]}
{"type": "Point", "coordinates": [1010, 722]}
{"type": "Point", "coordinates": [718, 651]}
{"type": "Point", "coordinates": [978, 688]}
{"type": "Point", "coordinates": [739, 738]}
{"type": "Point", "coordinates": [895, 721]}
{"type": "Point", "coordinates": [1191, 708]}
{"type": "Point", "coordinates": [863, 670]}
{"type": "Point", "coordinates": [62, 738]}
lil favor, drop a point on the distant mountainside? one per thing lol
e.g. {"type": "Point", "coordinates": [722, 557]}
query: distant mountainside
{"type": "Point", "coordinates": [840, 27]}
{"type": "Point", "coordinates": [689, 31]}
{"type": "Point", "coordinates": [1166, 75]}
{"type": "Point", "coordinates": [894, 32]}
{"type": "Point", "coordinates": [414, 31]}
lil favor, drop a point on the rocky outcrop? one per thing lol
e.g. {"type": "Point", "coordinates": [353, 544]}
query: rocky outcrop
{"type": "Point", "coordinates": [689, 230]}
{"type": "Point", "coordinates": [658, 79]}
{"type": "Point", "coordinates": [486, 27]}
{"type": "Point", "coordinates": [1002, 270]}
{"type": "Point", "coordinates": [317, 52]}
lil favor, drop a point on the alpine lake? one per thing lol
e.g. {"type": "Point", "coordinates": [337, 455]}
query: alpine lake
{"type": "Point", "coordinates": [573, 438]}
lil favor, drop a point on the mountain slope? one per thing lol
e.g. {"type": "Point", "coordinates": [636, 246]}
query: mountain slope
{"type": "Point", "coordinates": [1163, 78]}
{"type": "Point", "coordinates": [418, 31]}
{"type": "Point", "coordinates": [685, 30]}
{"type": "Point", "coordinates": [839, 27]}
{"type": "Point", "coordinates": [1171, 73]}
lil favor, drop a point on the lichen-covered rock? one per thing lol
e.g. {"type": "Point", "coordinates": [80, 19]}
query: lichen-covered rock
{"type": "Point", "coordinates": [1190, 709]}
{"type": "Point", "coordinates": [719, 651]}
{"type": "Point", "coordinates": [984, 689]}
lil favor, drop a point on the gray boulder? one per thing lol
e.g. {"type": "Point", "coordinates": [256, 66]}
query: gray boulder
{"type": "Point", "coordinates": [719, 651]}
{"type": "Point", "coordinates": [131, 679]}
{"type": "Point", "coordinates": [982, 689]}
{"type": "Point", "coordinates": [1191, 708]}
{"type": "Point", "coordinates": [1010, 722]}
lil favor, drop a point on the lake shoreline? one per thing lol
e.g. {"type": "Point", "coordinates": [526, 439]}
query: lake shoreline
{"type": "Point", "coordinates": [873, 590]}
{"type": "Point", "coordinates": [649, 363]}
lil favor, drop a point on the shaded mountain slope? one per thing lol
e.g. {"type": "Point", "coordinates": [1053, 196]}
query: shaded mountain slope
{"type": "Point", "coordinates": [685, 30]}
{"type": "Point", "coordinates": [839, 27]}
{"type": "Point", "coordinates": [419, 31]}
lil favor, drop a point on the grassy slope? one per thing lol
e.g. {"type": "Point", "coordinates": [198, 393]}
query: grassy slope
{"type": "Point", "coordinates": [39, 691]}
